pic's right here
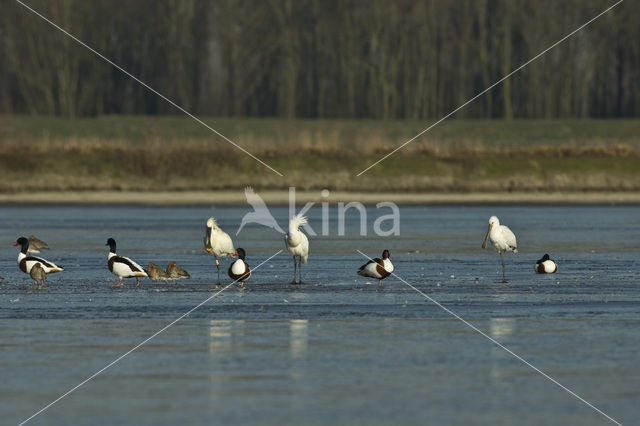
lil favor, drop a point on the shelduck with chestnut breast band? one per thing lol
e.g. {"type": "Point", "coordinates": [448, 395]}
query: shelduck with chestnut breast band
{"type": "Point", "coordinates": [27, 262]}
{"type": "Point", "coordinates": [546, 265]}
{"type": "Point", "coordinates": [239, 270]}
{"type": "Point", "coordinates": [377, 268]}
{"type": "Point", "coordinates": [123, 267]}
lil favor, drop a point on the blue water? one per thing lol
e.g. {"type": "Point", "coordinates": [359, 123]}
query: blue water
{"type": "Point", "coordinates": [336, 349]}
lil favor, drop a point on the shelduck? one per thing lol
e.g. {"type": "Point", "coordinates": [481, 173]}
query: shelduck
{"type": "Point", "coordinates": [123, 267]}
{"type": "Point", "coordinates": [379, 268]}
{"type": "Point", "coordinates": [546, 265]}
{"type": "Point", "coordinates": [239, 270]}
{"type": "Point", "coordinates": [26, 262]}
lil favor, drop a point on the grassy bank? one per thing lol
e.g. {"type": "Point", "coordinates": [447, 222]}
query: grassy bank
{"type": "Point", "coordinates": [137, 153]}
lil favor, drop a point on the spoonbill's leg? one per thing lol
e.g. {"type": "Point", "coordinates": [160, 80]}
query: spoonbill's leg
{"type": "Point", "coordinates": [295, 268]}
{"type": "Point", "coordinates": [504, 280]}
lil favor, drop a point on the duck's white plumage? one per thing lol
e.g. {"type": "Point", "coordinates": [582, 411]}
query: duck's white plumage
{"type": "Point", "coordinates": [123, 267]}
{"type": "Point", "coordinates": [372, 269]}
{"type": "Point", "coordinates": [379, 268]}
{"type": "Point", "coordinates": [26, 263]}
{"type": "Point", "coordinates": [238, 267]}
{"type": "Point", "coordinates": [546, 265]}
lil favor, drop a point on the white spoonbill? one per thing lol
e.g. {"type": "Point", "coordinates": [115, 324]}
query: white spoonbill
{"type": "Point", "coordinates": [546, 265]}
{"type": "Point", "coordinates": [218, 243]}
{"type": "Point", "coordinates": [377, 268]}
{"type": "Point", "coordinates": [123, 267]}
{"type": "Point", "coordinates": [26, 262]}
{"type": "Point", "coordinates": [297, 244]}
{"type": "Point", "coordinates": [502, 238]}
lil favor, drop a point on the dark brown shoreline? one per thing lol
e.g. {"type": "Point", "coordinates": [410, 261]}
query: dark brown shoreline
{"type": "Point", "coordinates": [282, 197]}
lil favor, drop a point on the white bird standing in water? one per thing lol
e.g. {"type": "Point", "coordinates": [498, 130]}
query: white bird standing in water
{"type": "Point", "coordinates": [297, 244]}
{"type": "Point", "coordinates": [218, 243]}
{"type": "Point", "coordinates": [502, 238]}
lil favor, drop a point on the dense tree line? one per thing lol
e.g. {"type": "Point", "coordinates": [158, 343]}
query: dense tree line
{"type": "Point", "coordinates": [321, 58]}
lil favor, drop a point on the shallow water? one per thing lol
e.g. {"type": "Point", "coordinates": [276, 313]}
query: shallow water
{"type": "Point", "coordinates": [336, 349]}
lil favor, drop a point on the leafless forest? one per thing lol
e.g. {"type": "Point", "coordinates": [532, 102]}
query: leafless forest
{"type": "Point", "coordinates": [321, 58]}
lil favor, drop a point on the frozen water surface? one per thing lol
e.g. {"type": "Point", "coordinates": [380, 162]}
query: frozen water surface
{"type": "Point", "coordinates": [335, 350]}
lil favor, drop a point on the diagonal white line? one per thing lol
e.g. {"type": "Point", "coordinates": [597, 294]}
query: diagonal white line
{"type": "Point", "coordinates": [101, 56]}
{"type": "Point", "coordinates": [501, 346]}
{"type": "Point", "coordinates": [115, 361]}
{"type": "Point", "coordinates": [491, 87]}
